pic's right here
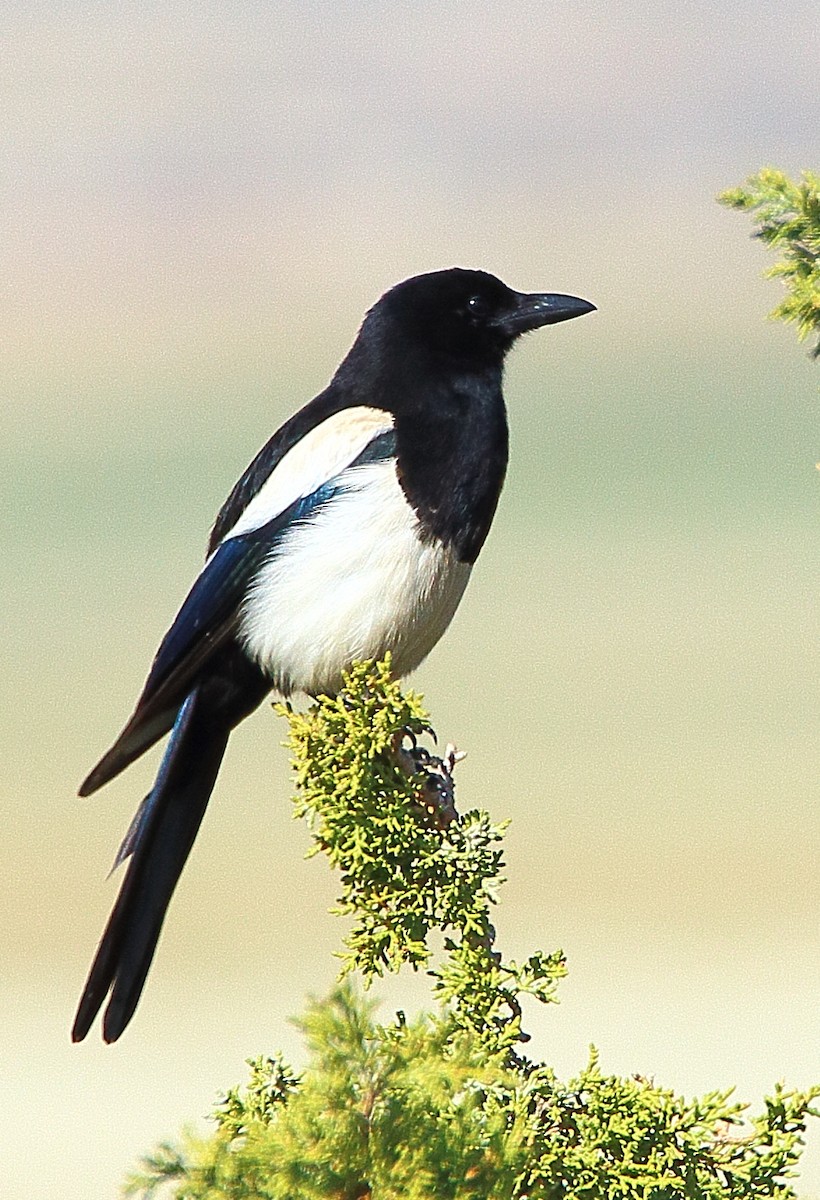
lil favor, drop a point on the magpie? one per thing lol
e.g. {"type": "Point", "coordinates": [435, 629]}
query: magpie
{"type": "Point", "coordinates": [352, 533]}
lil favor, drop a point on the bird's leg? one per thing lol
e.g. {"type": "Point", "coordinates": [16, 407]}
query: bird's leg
{"type": "Point", "coordinates": [436, 797]}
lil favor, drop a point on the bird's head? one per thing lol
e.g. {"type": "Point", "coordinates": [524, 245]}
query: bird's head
{"type": "Point", "coordinates": [471, 314]}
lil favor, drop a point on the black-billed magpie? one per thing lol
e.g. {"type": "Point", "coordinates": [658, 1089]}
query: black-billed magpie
{"type": "Point", "coordinates": [352, 533]}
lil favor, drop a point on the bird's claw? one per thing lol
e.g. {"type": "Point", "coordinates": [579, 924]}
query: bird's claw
{"type": "Point", "coordinates": [436, 797]}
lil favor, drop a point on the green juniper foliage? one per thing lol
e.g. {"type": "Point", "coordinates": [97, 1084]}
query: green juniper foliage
{"type": "Point", "coordinates": [415, 1111]}
{"type": "Point", "coordinates": [788, 218]}
{"type": "Point", "coordinates": [445, 1106]}
{"type": "Point", "coordinates": [402, 876]}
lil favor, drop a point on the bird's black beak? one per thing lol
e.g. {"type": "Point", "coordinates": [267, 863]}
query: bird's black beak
{"type": "Point", "coordinates": [531, 311]}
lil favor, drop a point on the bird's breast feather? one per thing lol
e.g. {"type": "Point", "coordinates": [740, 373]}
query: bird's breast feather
{"type": "Point", "coordinates": [353, 578]}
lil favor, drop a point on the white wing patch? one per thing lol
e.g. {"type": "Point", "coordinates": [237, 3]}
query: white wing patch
{"type": "Point", "coordinates": [352, 581]}
{"type": "Point", "coordinates": [322, 453]}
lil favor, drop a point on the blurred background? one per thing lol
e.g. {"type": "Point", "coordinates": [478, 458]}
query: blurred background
{"type": "Point", "coordinates": [197, 205]}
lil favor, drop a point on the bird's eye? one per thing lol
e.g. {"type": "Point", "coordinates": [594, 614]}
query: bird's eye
{"type": "Point", "coordinates": [477, 306]}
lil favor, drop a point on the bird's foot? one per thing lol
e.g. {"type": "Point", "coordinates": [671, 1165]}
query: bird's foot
{"type": "Point", "coordinates": [436, 796]}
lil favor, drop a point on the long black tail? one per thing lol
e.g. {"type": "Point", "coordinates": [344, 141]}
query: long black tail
{"type": "Point", "coordinates": [159, 842]}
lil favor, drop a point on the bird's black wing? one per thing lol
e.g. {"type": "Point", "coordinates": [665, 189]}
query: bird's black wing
{"type": "Point", "coordinates": [204, 625]}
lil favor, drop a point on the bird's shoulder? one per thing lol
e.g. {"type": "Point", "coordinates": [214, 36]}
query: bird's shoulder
{"type": "Point", "coordinates": [310, 446]}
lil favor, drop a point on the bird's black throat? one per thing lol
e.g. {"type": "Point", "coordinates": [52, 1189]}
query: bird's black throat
{"type": "Point", "coordinates": [452, 455]}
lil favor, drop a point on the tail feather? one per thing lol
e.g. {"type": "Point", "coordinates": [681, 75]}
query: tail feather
{"type": "Point", "coordinates": [139, 735]}
{"type": "Point", "coordinates": [158, 842]}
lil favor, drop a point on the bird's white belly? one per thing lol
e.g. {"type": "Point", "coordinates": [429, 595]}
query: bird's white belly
{"type": "Point", "coordinates": [352, 582]}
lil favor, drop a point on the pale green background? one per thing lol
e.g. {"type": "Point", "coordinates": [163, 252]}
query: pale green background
{"type": "Point", "coordinates": [198, 203]}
